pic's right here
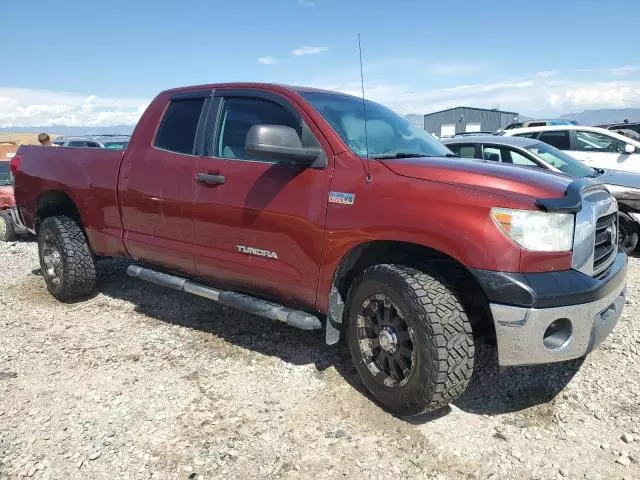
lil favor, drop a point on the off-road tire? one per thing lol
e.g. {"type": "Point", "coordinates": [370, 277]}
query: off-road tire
{"type": "Point", "coordinates": [443, 341]}
{"type": "Point", "coordinates": [7, 231]}
{"type": "Point", "coordinates": [77, 278]}
{"type": "Point", "coordinates": [628, 233]}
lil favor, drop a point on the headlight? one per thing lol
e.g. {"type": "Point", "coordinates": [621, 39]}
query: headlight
{"type": "Point", "coordinates": [536, 231]}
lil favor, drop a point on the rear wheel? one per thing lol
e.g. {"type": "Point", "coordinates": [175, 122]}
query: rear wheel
{"type": "Point", "coordinates": [627, 233]}
{"type": "Point", "coordinates": [409, 338]}
{"type": "Point", "coordinates": [7, 232]}
{"type": "Point", "coordinates": [66, 261]}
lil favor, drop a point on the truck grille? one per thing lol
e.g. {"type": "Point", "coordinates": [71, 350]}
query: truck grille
{"type": "Point", "coordinates": [606, 242]}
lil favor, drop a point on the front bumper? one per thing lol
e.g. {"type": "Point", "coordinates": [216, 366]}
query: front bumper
{"type": "Point", "coordinates": [525, 305]}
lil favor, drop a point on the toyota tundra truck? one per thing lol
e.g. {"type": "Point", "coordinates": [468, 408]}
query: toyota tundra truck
{"type": "Point", "coordinates": [325, 211]}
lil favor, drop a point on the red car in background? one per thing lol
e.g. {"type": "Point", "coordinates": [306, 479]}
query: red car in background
{"type": "Point", "coordinates": [9, 231]}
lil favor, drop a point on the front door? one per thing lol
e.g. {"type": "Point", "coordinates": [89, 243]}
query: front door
{"type": "Point", "coordinates": [259, 224]}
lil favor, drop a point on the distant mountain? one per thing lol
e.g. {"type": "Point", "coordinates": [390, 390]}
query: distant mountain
{"type": "Point", "coordinates": [604, 115]}
{"type": "Point", "coordinates": [67, 130]}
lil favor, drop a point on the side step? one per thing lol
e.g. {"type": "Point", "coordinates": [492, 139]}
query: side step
{"type": "Point", "coordinates": [245, 303]}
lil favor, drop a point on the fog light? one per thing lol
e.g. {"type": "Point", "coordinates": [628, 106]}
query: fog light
{"type": "Point", "coordinates": [558, 334]}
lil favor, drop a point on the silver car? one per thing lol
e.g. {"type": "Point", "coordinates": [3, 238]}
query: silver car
{"type": "Point", "coordinates": [111, 142]}
{"type": "Point", "coordinates": [532, 153]}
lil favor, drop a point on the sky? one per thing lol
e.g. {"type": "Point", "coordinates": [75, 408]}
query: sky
{"type": "Point", "coordinates": [89, 63]}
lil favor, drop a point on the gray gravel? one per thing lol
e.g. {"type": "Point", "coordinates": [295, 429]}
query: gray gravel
{"type": "Point", "coordinates": [140, 382]}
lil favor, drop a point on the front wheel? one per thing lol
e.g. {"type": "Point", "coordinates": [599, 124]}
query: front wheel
{"type": "Point", "coordinates": [7, 232]}
{"type": "Point", "coordinates": [410, 339]}
{"type": "Point", "coordinates": [65, 259]}
{"type": "Point", "coordinates": [627, 233]}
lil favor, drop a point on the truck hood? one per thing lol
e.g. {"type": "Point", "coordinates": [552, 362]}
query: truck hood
{"type": "Point", "coordinates": [486, 176]}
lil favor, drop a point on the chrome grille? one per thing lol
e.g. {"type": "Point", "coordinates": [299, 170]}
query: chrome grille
{"type": "Point", "coordinates": [606, 242]}
{"type": "Point", "coordinates": [593, 248]}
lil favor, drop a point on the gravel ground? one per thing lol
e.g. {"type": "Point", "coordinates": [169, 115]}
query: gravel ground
{"type": "Point", "coordinates": [142, 382]}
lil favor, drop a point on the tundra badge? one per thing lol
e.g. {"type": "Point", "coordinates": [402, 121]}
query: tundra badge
{"type": "Point", "coordinates": [342, 198]}
{"type": "Point", "coordinates": [258, 252]}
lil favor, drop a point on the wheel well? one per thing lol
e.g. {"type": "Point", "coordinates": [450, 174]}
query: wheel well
{"type": "Point", "coordinates": [54, 203]}
{"type": "Point", "coordinates": [458, 278]}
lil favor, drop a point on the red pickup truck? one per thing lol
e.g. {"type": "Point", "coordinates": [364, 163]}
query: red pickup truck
{"type": "Point", "coordinates": [326, 212]}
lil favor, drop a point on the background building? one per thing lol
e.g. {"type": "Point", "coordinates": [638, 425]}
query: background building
{"type": "Point", "coordinates": [447, 123]}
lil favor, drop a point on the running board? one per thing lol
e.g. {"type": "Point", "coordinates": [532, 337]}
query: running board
{"type": "Point", "coordinates": [245, 303]}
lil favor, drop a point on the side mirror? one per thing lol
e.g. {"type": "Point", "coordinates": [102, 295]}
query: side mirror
{"type": "Point", "coordinates": [628, 148]}
{"type": "Point", "coordinates": [279, 142]}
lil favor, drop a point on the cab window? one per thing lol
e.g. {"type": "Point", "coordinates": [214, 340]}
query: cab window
{"type": "Point", "coordinates": [239, 114]}
{"type": "Point", "coordinates": [177, 131]}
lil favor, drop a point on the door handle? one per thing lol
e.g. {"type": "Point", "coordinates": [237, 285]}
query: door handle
{"type": "Point", "coordinates": [209, 178]}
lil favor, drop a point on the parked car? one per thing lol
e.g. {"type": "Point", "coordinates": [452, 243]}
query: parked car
{"type": "Point", "coordinates": [597, 147]}
{"type": "Point", "coordinates": [472, 134]}
{"type": "Point", "coordinates": [9, 231]}
{"type": "Point", "coordinates": [527, 152]}
{"type": "Point", "coordinates": [539, 123]}
{"type": "Point", "coordinates": [110, 142]}
{"type": "Point", "coordinates": [634, 126]}
{"type": "Point", "coordinates": [628, 133]}
{"type": "Point", "coordinates": [278, 201]}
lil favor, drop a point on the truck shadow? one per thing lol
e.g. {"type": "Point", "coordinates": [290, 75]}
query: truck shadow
{"type": "Point", "coordinates": [493, 390]}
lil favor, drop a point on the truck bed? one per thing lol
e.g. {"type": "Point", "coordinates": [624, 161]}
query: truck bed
{"type": "Point", "coordinates": [88, 176]}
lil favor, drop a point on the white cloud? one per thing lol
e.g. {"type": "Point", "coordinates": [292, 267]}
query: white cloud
{"type": "Point", "coordinates": [532, 96]}
{"type": "Point", "coordinates": [309, 50]}
{"type": "Point", "coordinates": [626, 70]}
{"type": "Point", "coordinates": [306, 3]}
{"type": "Point", "coordinates": [547, 73]}
{"type": "Point", "coordinates": [268, 60]}
{"type": "Point", "coordinates": [21, 107]}
{"type": "Point", "coordinates": [597, 95]}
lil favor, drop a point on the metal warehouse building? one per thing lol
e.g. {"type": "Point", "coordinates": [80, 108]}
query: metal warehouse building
{"type": "Point", "coordinates": [447, 123]}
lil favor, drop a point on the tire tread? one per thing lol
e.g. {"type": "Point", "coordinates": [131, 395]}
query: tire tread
{"type": "Point", "coordinates": [79, 272]}
{"type": "Point", "coordinates": [447, 341]}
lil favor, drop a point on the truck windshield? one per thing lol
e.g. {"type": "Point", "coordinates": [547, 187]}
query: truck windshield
{"type": "Point", "coordinates": [563, 162]}
{"type": "Point", "coordinates": [5, 175]}
{"type": "Point", "coordinates": [388, 135]}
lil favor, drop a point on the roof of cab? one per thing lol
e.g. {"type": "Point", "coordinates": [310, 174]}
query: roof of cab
{"type": "Point", "coordinates": [264, 86]}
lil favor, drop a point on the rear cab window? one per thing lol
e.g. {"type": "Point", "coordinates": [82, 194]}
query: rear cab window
{"type": "Point", "coordinates": [179, 125]}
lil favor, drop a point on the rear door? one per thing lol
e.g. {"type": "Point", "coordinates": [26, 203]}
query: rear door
{"type": "Point", "coordinates": [157, 184]}
{"type": "Point", "coordinates": [259, 227]}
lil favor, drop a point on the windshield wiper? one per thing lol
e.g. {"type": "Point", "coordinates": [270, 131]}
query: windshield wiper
{"type": "Point", "coordinates": [398, 155]}
{"type": "Point", "coordinates": [409, 155]}
{"type": "Point", "coordinates": [597, 172]}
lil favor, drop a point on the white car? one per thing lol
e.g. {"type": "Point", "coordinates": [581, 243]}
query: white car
{"type": "Point", "coordinates": [594, 146]}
